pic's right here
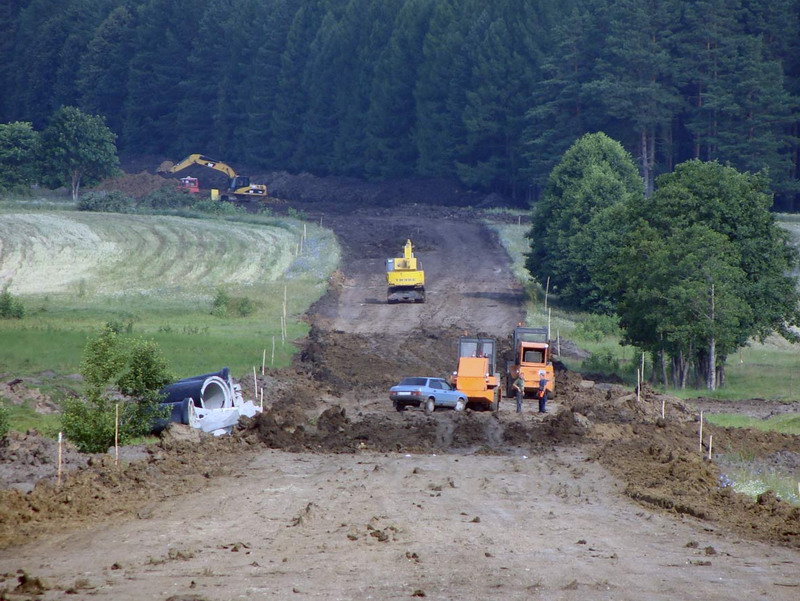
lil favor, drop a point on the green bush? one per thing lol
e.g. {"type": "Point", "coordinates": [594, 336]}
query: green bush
{"type": "Point", "coordinates": [243, 307]}
{"type": "Point", "coordinates": [10, 307]}
{"type": "Point", "coordinates": [4, 423]}
{"type": "Point", "coordinates": [172, 198]}
{"type": "Point", "coordinates": [224, 305]}
{"type": "Point", "coordinates": [146, 371]}
{"type": "Point", "coordinates": [106, 202]}
{"type": "Point", "coordinates": [595, 327]}
{"type": "Point", "coordinates": [297, 213]}
{"type": "Point", "coordinates": [137, 370]}
{"type": "Point", "coordinates": [89, 425]}
{"type": "Point", "coordinates": [603, 363]}
{"type": "Point", "coordinates": [119, 327]}
{"type": "Point", "coordinates": [219, 306]}
{"type": "Point", "coordinates": [217, 207]}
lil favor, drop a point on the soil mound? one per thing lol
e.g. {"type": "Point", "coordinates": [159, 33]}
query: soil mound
{"type": "Point", "coordinates": [135, 185]}
{"type": "Point", "coordinates": [342, 361]}
{"type": "Point", "coordinates": [284, 427]}
{"type": "Point", "coordinates": [101, 487]}
{"type": "Point", "coordinates": [27, 458]}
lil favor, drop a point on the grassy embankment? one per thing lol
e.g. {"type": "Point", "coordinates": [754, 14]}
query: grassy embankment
{"type": "Point", "coordinates": [155, 277]}
{"type": "Point", "coordinates": [767, 370]}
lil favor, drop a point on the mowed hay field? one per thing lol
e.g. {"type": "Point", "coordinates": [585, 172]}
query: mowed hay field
{"type": "Point", "coordinates": [157, 277]}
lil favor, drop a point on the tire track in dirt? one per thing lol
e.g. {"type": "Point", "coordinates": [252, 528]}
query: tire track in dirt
{"type": "Point", "coordinates": [469, 283]}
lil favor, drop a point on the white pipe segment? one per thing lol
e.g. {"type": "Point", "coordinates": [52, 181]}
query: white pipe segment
{"type": "Point", "coordinates": [215, 393]}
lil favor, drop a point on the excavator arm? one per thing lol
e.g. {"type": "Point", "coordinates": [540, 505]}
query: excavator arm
{"type": "Point", "coordinates": [204, 161]}
{"type": "Point", "coordinates": [239, 186]}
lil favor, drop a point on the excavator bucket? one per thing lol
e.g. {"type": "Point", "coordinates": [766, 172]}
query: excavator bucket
{"type": "Point", "coordinates": [165, 166]}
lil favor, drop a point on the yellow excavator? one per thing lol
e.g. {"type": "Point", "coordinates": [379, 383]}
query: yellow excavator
{"type": "Point", "coordinates": [239, 186]}
{"type": "Point", "coordinates": [405, 278]}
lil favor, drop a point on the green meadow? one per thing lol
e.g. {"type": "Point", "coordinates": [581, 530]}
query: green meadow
{"type": "Point", "coordinates": [212, 292]}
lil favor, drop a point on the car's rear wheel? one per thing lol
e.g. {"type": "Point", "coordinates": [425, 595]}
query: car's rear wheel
{"type": "Point", "coordinates": [430, 405]}
{"type": "Point", "coordinates": [399, 406]}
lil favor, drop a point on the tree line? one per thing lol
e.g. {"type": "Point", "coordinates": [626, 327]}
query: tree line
{"type": "Point", "coordinates": [491, 93]}
{"type": "Point", "coordinates": [692, 273]}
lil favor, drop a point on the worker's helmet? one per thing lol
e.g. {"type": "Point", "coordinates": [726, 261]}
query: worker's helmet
{"type": "Point", "coordinates": [541, 373]}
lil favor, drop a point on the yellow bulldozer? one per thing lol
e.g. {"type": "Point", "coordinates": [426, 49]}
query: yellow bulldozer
{"type": "Point", "coordinates": [239, 186]}
{"type": "Point", "coordinates": [405, 278]}
{"type": "Point", "coordinates": [476, 375]}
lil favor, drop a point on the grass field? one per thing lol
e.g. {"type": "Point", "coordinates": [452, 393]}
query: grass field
{"type": "Point", "coordinates": [157, 277]}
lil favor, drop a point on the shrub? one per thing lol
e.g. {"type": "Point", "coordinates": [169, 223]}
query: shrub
{"type": "Point", "coordinates": [596, 327]}
{"type": "Point", "coordinates": [4, 423]}
{"type": "Point", "coordinates": [107, 202]}
{"type": "Point", "coordinates": [146, 371]}
{"type": "Point", "coordinates": [220, 303]}
{"type": "Point", "coordinates": [89, 424]}
{"type": "Point", "coordinates": [10, 307]}
{"type": "Point", "coordinates": [242, 306]}
{"type": "Point", "coordinates": [296, 213]}
{"type": "Point", "coordinates": [119, 328]}
{"type": "Point", "coordinates": [604, 363]}
{"type": "Point", "coordinates": [138, 370]}
{"type": "Point", "coordinates": [224, 305]}
{"type": "Point", "coordinates": [216, 207]}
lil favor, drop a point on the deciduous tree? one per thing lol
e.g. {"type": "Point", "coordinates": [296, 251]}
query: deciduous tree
{"type": "Point", "coordinates": [77, 148]}
{"type": "Point", "coordinates": [18, 145]}
{"type": "Point", "coordinates": [575, 222]}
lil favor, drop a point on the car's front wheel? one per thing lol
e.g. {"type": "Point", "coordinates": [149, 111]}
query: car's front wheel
{"type": "Point", "coordinates": [461, 404]}
{"type": "Point", "coordinates": [430, 405]}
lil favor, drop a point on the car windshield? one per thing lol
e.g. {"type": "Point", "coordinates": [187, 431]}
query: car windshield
{"type": "Point", "coordinates": [413, 382]}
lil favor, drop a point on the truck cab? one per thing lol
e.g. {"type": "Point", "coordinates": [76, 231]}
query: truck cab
{"type": "Point", "coordinates": [531, 357]}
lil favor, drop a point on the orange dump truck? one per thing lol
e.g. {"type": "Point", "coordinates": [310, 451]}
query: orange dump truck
{"type": "Point", "coordinates": [531, 356]}
{"type": "Point", "coordinates": [476, 375]}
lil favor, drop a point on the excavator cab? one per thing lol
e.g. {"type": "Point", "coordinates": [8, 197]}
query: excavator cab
{"type": "Point", "coordinates": [240, 181]}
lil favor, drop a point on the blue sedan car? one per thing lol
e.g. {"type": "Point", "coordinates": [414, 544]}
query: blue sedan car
{"type": "Point", "coordinates": [428, 393]}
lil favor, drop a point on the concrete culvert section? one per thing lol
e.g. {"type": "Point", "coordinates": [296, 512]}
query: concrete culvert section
{"type": "Point", "coordinates": [215, 393]}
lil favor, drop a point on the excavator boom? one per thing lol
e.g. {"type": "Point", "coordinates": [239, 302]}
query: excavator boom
{"type": "Point", "coordinates": [199, 159]}
{"type": "Point", "coordinates": [239, 186]}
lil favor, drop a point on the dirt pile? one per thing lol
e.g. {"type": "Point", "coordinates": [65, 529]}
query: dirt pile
{"type": "Point", "coordinates": [135, 185]}
{"type": "Point", "coordinates": [342, 194]}
{"type": "Point", "coordinates": [664, 466]}
{"type": "Point", "coordinates": [284, 427]}
{"type": "Point", "coordinates": [27, 458]}
{"type": "Point", "coordinates": [101, 488]}
{"type": "Point", "coordinates": [341, 361]}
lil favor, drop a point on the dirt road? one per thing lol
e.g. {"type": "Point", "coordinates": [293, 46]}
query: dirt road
{"type": "Point", "coordinates": [394, 526]}
{"type": "Point", "coordinates": [469, 284]}
{"type": "Point", "coordinates": [388, 505]}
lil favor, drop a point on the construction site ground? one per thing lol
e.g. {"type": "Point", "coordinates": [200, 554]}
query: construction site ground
{"type": "Point", "coordinates": [331, 494]}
